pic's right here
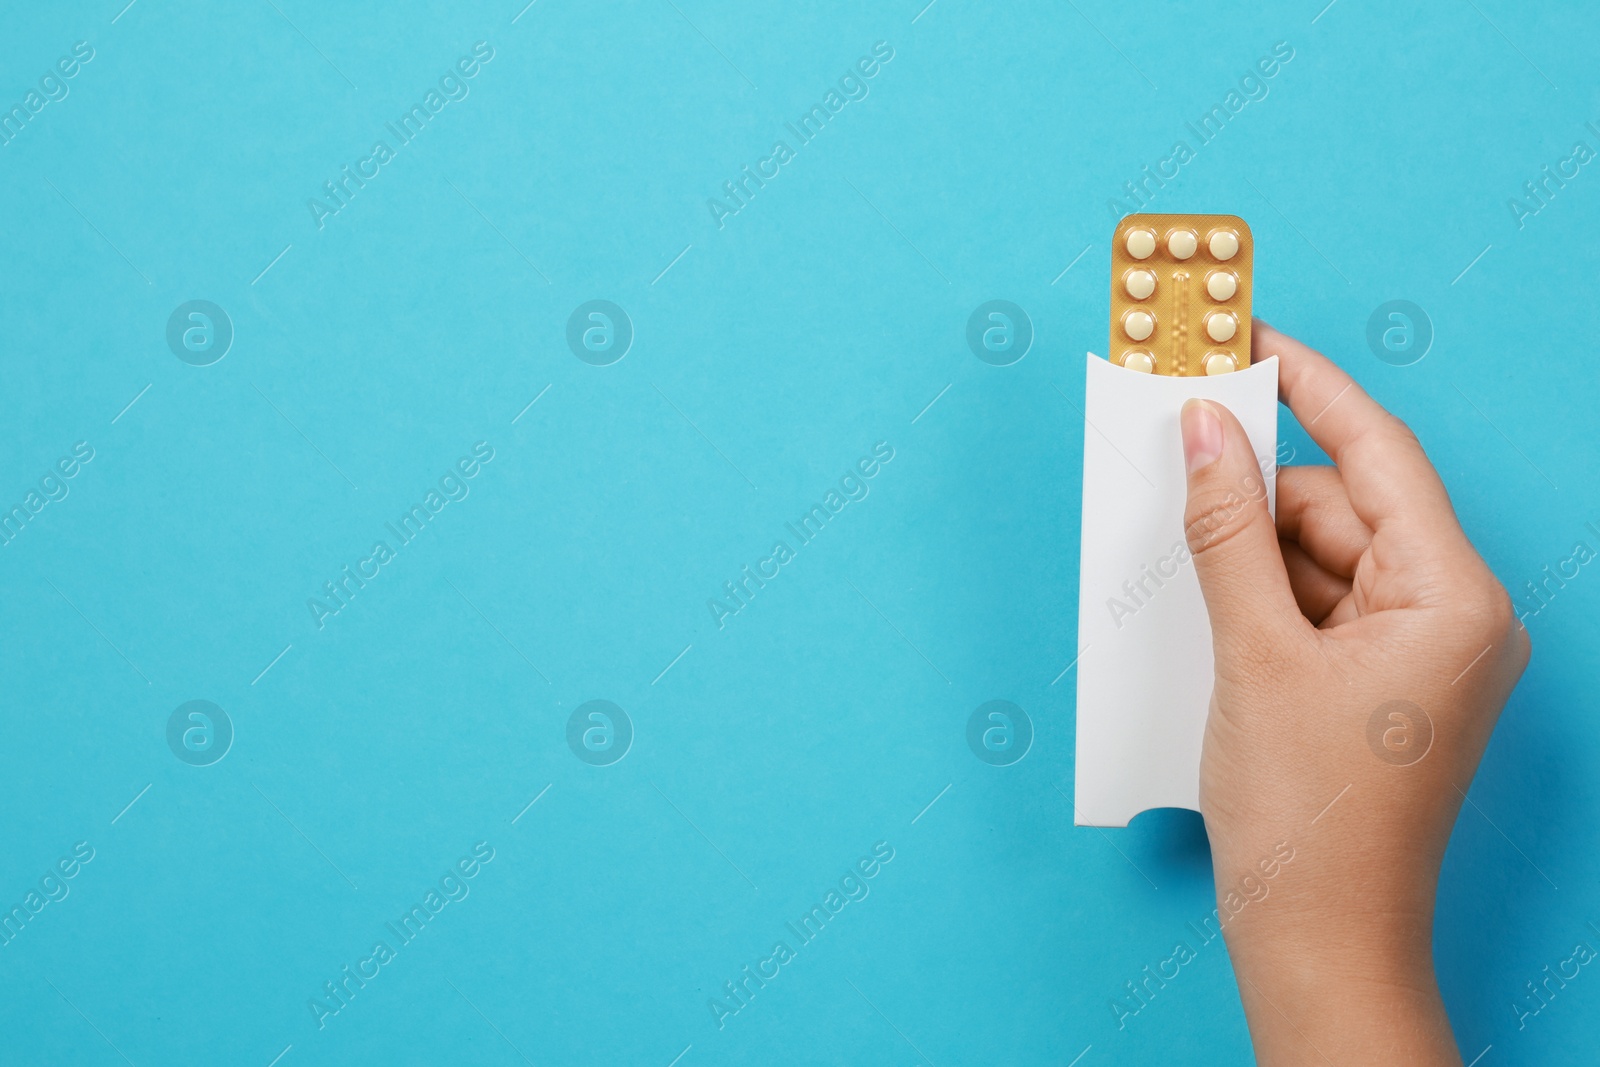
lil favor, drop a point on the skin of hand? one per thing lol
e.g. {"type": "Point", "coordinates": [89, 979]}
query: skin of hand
{"type": "Point", "coordinates": [1364, 592]}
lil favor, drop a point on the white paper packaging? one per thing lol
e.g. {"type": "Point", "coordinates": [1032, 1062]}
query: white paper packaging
{"type": "Point", "coordinates": [1144, 641]}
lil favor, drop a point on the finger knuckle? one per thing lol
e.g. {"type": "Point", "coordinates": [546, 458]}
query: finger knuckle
{"type": "Point", "coordinates": [1488, 612]}
{"type": "Point", "coordinates": [1400, 430]}
{"type": "Point", "coordinates": [1521, 647]}
{"type": "Point", "coordinates": [1255, 657]}
{"type": "Point", "coordinates": [1216, 518]}
{"type": "Point", "coordinates": [1489, 621]}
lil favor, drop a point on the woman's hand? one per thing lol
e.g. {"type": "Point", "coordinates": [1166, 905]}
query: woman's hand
{"type": "Point", "coordinates": [1363, 652]}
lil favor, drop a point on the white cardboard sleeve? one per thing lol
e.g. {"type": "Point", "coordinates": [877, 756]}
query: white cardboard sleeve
{"type": "Point", "coordinates": [1144, 640]}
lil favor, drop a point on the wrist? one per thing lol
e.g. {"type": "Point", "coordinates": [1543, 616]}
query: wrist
{"type": "Point", "coordinates": [1340, 968]}
{"type": "Point", "coordinates": [1372, 999]}
{"type": "Point", "coordinates": [1306, 920]}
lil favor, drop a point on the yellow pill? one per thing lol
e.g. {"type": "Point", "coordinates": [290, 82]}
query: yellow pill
{"type": "Point", "coordinates": [1224, 244]}
{"type": "Point", "coordinates": [1221, 363]}
{"type": "Point", "coordinates": [1139, 325]}
{"type": "Point", "coordinates": [1182, 243]}
{"type": "Point", "coordinates": [1143, 362]}
{"type": "Point", "coordinates": [1220, 326]}
{"type": "Point", "coordinates": [1222, 284]}
{"type": "Point", "coordinates": [1141, 244]}
{"type": "Point", "coordinates": [1140, 284]}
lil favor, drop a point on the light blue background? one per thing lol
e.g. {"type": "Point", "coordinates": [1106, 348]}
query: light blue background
{"type": "Point", "coordinates": [821, 319]}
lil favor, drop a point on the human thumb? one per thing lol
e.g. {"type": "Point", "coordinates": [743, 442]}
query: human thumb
{"type": "Point", "coordinates": [1231, 534]}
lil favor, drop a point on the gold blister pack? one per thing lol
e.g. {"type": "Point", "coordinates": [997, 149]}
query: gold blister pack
{"type": "Point", "coordinates": [1180, 294]}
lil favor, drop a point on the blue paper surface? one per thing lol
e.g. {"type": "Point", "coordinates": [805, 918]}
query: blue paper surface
{"type": "Point", "coordinates": [375, 324]}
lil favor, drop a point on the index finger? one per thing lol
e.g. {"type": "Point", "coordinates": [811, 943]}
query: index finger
{"type": "Point", "coordinates": [1385, 471]}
